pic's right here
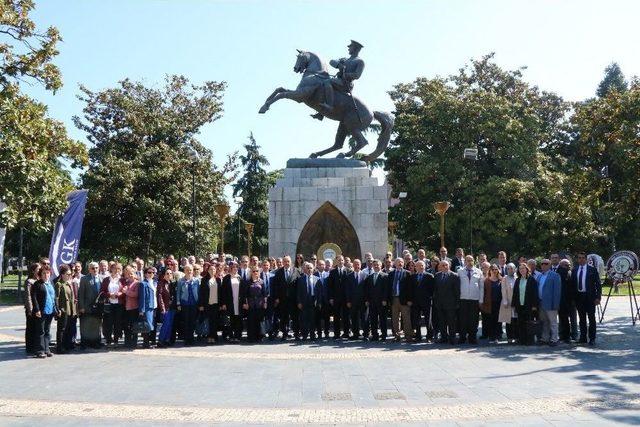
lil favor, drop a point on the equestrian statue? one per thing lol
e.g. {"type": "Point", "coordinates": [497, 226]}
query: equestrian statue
{"type": "Point", "coordinates": [331, 97]}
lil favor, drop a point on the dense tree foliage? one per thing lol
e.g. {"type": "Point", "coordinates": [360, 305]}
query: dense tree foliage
{"type": "Point", "coordinates": [613, 81]}
{"type": "Point", "coordinates": [35, 151]}
{"type": "Point", "coordinates": [253, 186]}
{"type": "Point", "coordinates": [141, 172]}
{"type": "Point", "coordinates": [517, 196]}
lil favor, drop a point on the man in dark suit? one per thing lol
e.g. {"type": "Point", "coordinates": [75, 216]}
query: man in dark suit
{"type": "Point", "coordinates": [422, 284]}
{"type": "Point", "coordinates": [376, 299]}
{"type": "Point", "coordinates": [446, 298]}
{"type": "Point", "coordinates": [323, 308]}
{"type": "Point", "coordinates": [586, 285]}
{"type": "Point", "coordinates": [307, 294]}
{"type": "Point", "coordinates": [338, 278]}
{"type": "Point", "coordinates": [284, 282]}
{"type": "Point", "coordinates": [458, 261]}
{"type": "Point", "coordinates": [401, 301]}
{"type": "Point", "coordinates": [355, 302]}
{"type": "Point", "coordinates": [567, 302]}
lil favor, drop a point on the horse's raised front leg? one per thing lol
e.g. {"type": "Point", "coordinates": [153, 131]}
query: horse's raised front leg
{"type": "Point", "coordinates": [298, 95]}
{"type": "Point", "coordinates": [361, 141]}
{"type": "Point", "coordinates": [270, 101]}
{"type": "Point", "coordinates": [340, 137]}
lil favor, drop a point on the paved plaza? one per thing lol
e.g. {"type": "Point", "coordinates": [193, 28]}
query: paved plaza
{"type": "Point", "coordinates": [327, 383]}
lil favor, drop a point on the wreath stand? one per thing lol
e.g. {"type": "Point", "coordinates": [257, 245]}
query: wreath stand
{"type": "Point", "coordinates": [635, 315]}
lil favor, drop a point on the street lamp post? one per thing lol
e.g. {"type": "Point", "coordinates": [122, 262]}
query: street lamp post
{"type": "Point", "coordinates": [238, 201]}
{"type": "Point", "coordinates": [472, 155]}
{"type": "Point", "coordinates": [441, 209]}
{"type": "Point", "coordinates": [222, 209]}
{"type": "Point", "coordinates": [249, 227]}
{"type": "Point", "coordinates": [193, 154]}
{"type": "Point", "coordinates": [604, 172]}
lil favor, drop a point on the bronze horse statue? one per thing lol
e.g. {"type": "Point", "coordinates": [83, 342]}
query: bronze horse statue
{"type": "Point", "coordinates": [353, 114]}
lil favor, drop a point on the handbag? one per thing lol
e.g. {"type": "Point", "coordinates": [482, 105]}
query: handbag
{"type": "Point", "coordinates": [202, 326]}
{"type": "Point", "coordinates": [97, 308]}
{"type": "Point", "coordinates": [141, 327]}
{"type": "Point", "coordinates": [534, 327]}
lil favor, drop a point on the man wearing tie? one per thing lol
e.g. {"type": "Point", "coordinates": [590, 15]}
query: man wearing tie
{"type": "Point", "coordinates": [307, 298]}
{"type": "Point", "coordinates": [338, 278]}
{"type": "Point", "coordinates": [245, 271]}
{"type": "Point", "coordinates": [446, 299]}
{"type": "Point", "coordinates": [422, 284]}
{"type": "Point", "coordinates": [323, 308]}
{"type": "Point", "coordinates": [355, 302]}
{"type": "Point", "coordinates": [267, 277]}
{"type": "Point", "coordinates": [458, 261]}
{"type": "Point", "coordinates": [376, 299]}
{"type": "Point", "coordinates": [502, 263]}
{"type": "Point", "coordinates": [401, 301]}
{"type": "Point", "coordinates": [284, 286]}
{"type": "Point", "coordinates": [588, 290]}
{"type": "Point", "coordinates": [368, 266]}
{"type": "Point", "coordinates": [567, 315]}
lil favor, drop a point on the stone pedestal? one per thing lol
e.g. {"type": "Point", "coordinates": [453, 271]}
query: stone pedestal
{"type": "Point", "coordinates": [328, 201]}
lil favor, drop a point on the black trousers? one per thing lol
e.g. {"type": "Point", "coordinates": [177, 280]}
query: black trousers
{"type": "Point", "coordinates": [112, 323]}
{"type": "Point", "coordinates": [323, 319]}
{"type": "Point", "coordinates": [130, 337]}
{"type": "Point", "coordinates": [306, 317]}
{"type": "Point", "coordinates": [254, 317]}
{"type": "Point", "coordinates": [235, 321]}
{"type": "Point", "coordinates": [468, 314]}
{"type": "Point", "coordinates": [42, 332]}
{"type": "Point", "coordinates": [447, 323]}
{"type": "Point", "coordinates": [378, 320]}
{"type": "Point", "coordinates": [340, 319]}
{"type": "Point", "coordinates": [417, 312]}
{"type": "Point", "coordinates": [64, 333]}
{"type": "Point", "coordinates": [359, 320]}
{"type": "Point", "coordinates": [586, 309]}
{"type": "Point", "coordinates": [567, 325]}
{"type": "Point", "coordinates": [189, 316]}
{"type": "Point", "coordinates": [524, 316]}
{"type": "Point", "coordinates": [213, 315]}
{"type": "Point", "coordinates": [29, 334]}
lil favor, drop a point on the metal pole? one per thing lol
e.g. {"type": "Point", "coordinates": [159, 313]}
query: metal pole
{"type": "Point", "coordinates": [20, 264]}
{"type": "Point", "coordinates": [442, 230]}
{"type": "Point", "coordinates": [193, 201]}
{"type": "Point", "coordinates": [613, 236]}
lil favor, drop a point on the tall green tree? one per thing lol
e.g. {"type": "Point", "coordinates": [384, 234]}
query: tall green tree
{"type": "Point", "coordinates": [35, 151]}
{"type": "Point", "coordinates": [515, 197]}
{"type": "Point", "coordinates": [606, 135]}
{"type": "Point", "coordinates": [613, 80]}
{"type": "Point", "coordinates": [140, 173]}
{"type": "Point", "coordinates": [253, 186]}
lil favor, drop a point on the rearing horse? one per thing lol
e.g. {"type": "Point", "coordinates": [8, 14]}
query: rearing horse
{"type": "Point", "coordinates": [353, 114]}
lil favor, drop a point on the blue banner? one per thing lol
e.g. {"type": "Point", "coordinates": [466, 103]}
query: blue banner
{"type": "Point", "coordinates": [65, 241]}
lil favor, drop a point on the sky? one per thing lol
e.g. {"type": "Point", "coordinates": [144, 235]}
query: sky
{"type": "Point", "coordinates": [251, 45]}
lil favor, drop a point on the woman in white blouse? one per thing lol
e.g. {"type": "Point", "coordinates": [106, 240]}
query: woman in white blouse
{"type": "Point", "coordinates": [111, 286]}
{"type": "Point", "coordinates": [233, 292]}
{"type": "Point", "coordinates": [209, 300]}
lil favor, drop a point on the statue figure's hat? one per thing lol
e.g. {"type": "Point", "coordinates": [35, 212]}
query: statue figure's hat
{"type": "Point", "coordinates": [356, 44]}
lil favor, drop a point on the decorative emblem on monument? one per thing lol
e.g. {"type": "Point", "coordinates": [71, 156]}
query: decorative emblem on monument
{"type": "Point", "coordinates": [329, 251]}
{"type": "Point", "coordinates": [331, 96]}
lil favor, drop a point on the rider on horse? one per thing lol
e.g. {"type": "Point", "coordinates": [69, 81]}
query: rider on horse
{"type": "Point", "coordinates": [349, 69]}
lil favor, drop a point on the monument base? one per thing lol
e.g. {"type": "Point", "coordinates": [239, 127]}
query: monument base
{"type": "Point", "coordinates": [328, 201]}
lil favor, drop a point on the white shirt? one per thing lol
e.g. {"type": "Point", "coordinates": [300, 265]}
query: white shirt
{"type": "Point", "coordinates": [114, 287]}
{"type": "Point", "coordinates": [235, 292]}
{"type": "Point", "coordinates": [213, 291]}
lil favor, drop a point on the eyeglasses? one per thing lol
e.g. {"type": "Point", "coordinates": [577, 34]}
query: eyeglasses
{"type": "Point", "coordinates": [544, 263]}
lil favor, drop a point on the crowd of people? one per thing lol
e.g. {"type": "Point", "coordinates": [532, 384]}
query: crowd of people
{"type": "Point", "coordinates": [216, 299]}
